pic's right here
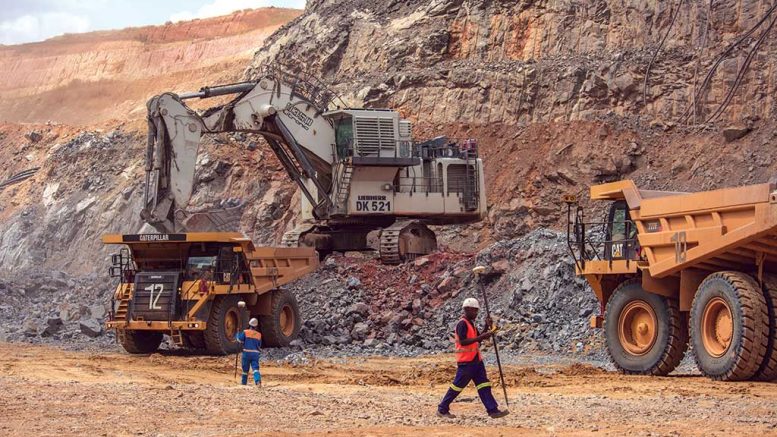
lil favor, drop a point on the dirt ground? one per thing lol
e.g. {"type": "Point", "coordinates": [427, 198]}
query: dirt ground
{"type": "Point", "coordinates": [45, 391]}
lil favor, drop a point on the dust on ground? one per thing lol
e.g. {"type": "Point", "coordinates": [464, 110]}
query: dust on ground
{"type": "Point", "coordinates": [47, 391]}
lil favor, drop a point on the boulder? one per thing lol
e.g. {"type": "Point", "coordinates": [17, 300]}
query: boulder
{"type": "Point", "coordinates": [97, 311]}
{"type": "Point", "coordinates": [360, 331]}
{"type": "Point", "coordinates": [30, 328]}
{"type": "Point", "coordinates": [359, 308]}
{"type": "Point", "coordinates": [733, 133]}
{"type": "Point", "coordinates": [420, 262]}
{"type": "Point", "coordinates": [500, 266]}
{"type": "Point", "coordinates": [416, 305]}
{"type": "Point", "coordinates": [53, 325]}
{"type": "Point", "coordinates": [33, 136]}
{"type": "Point", "coordinates": [446, 284]}
{"type": "Point", "coordinates": [91, 328]}
{"type": "Point", "coordinates": [353, 283]}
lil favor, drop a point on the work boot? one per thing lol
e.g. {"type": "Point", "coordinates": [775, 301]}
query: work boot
{"type": "Point", "coordinates": [447, 415]}
{"type": "Point", "coordinates": [497, 414]}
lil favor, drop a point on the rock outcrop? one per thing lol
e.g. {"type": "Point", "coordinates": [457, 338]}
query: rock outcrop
{"type": "Point", "coordinates": [529, 61]}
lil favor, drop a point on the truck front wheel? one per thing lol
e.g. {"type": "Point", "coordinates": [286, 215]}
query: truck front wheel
{"type": "Point", "coordinates": [646, 334]}
{"type": "Point", "coordinates": [140, 342]}
{"type": "Point", "coordinates": [282, 325]}
{"type": "Point", "coordinates": [729, 326]}
{"type": "Point", "coordinates": [225, 321]}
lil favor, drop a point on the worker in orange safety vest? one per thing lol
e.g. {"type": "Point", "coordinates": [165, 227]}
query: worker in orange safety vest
{"type": "Point", "coordinates": [251, 339]}
{"type": "Point", "coordinates": [470, 363]}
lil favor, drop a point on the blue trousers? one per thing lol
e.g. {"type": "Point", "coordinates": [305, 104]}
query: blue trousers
{"type": "Point", "coordinates": [475, 372]}
{"type": "Point", "coordinates": [251, 359]}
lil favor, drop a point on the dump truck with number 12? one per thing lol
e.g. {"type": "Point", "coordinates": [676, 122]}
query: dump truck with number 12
{"type": "Point", "coordinates": [190, 287]}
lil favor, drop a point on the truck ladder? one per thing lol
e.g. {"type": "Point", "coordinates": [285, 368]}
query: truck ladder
{"type": "Point", "coordinates": [177, 336]}
{"type": "Point", "coordinates": [122, 311]}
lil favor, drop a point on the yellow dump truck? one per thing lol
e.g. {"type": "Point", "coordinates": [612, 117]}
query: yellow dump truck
{"type": "Point", "coordinates": [671, 268]}
{"type": "Point", "coordinates": [201, 289]}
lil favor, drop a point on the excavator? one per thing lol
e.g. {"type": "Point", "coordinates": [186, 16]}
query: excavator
{"type": "Point", "coordinates": [359, 170]}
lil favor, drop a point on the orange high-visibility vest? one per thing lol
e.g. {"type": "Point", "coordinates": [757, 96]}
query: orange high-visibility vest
{"type": "Point", "coordinates": [465, 354]}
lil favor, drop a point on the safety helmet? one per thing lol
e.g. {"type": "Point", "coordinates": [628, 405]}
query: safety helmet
{"type": "Point", "coordinates": [470, 302]}
{"type": "Point", "coordinates": [253, 323]}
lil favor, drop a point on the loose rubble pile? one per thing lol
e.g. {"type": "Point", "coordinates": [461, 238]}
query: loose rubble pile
{"type": "Point", "coordinates": [54, 308]}
{"type": "Point", "coordinates": [358, 305]}
{"type": "Point", "coordinates": [355, 305]}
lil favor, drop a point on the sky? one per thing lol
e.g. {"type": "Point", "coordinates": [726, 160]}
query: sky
{"type": "Point", "coordinates": [24, 21]}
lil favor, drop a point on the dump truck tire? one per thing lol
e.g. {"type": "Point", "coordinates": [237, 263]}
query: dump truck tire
{"type": "Point", "coordinates": [141, 342]}
{"type": "Point", "coordinates": [646, 334]}
{"type": "Point", "coordinates": [282, 326]}
{"type": "Point", "coordinates": [768, 369]}
{"type": "Point", "coordinates": [729, 326]}
{"type": "Point", "coordinates": [225, 321]}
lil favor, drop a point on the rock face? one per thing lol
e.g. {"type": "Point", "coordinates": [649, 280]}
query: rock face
{"type": "Point", "coordinates": [531, 61]}
{"type": "Point", "coordinates": [89, 78]}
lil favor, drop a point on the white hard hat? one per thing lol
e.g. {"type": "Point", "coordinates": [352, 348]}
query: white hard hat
{"type": "Point", "coordinates": [470, 302]}
{"type": "Point", "coordinates": [253, 322]}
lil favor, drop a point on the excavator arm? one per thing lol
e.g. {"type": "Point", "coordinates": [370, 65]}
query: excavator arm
{"type": "Point", "coordinates": [284, 109]}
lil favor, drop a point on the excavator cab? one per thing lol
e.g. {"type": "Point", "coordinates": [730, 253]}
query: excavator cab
{"type": "Point", "coordinates": [344, 138]}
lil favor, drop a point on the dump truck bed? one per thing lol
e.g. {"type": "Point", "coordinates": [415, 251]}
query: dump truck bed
{"type": "Point", "coordinates": [731, 228]}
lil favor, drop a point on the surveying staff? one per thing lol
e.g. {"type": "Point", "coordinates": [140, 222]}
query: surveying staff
{"type": "Point", "coordinates": [470, 363]}
{"type": "Point", "coordinates": [251, 339]}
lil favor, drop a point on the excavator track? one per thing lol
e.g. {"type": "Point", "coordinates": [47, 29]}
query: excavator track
{"type": "Point", "coordinates": [405, 240]}
{"type": "Point", "coordinates": [294, 236]}
{"type": "Point", "coordinates": [389, 245]}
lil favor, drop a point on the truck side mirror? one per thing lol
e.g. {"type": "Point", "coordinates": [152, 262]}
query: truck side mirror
{"type": "Point", "coordinates": [116, 259]}
{"type": "Point", "coordinates": [115, 271]}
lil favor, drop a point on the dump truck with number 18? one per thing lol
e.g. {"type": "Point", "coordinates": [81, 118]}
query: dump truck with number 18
{"type": "Point", "coordinates": [201, 289]}
{"type": "Point", "coordinates": [673, 268]}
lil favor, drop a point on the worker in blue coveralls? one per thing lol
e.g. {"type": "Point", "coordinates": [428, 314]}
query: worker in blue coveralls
{"type": "Point", "coordinates": [470, 363]}
{"type": "Point", "coordinates": [251, 339]}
